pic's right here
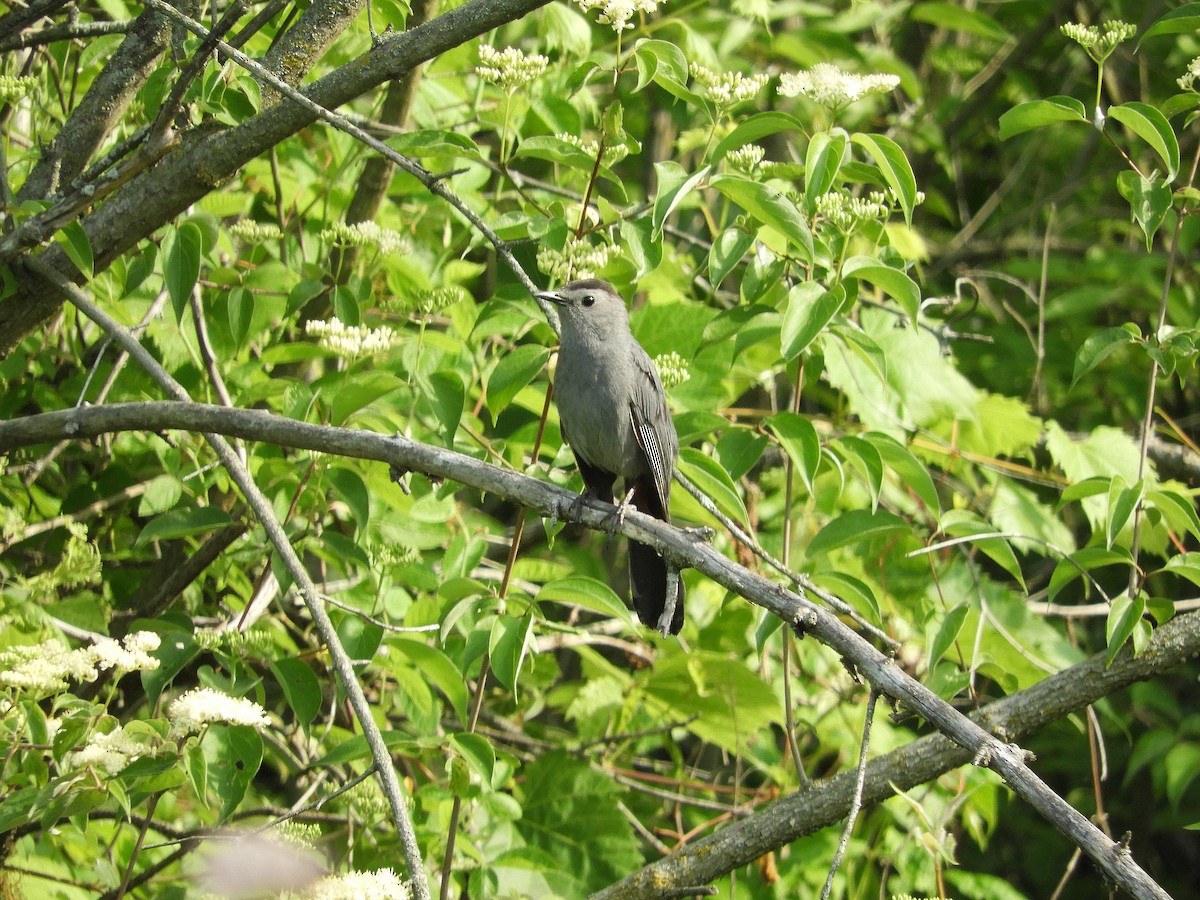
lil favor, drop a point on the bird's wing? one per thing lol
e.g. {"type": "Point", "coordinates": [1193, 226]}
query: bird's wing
{"type": "Point", "coordinates": [652, 425]}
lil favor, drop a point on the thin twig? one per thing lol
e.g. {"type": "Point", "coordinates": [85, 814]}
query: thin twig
{"type": "Point", "coordinates": [860, 782]}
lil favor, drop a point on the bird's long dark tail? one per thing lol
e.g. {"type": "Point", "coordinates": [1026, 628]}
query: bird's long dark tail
{"type": "Point", "coordinates": [648, 570]}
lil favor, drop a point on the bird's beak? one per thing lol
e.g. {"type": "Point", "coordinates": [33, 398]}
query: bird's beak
{"type": "Point", "coordinates": [551, 297]}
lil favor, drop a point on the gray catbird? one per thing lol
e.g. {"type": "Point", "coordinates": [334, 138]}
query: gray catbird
{"type": "Point", "coordinates": [614, 415]}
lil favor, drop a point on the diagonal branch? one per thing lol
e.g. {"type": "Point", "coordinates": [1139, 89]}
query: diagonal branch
{"type": "Point", "coordinates": [965, 738]}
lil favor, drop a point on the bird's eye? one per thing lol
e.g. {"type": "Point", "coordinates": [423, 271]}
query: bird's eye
{"type": "Point", "coordinates": [588, 300]}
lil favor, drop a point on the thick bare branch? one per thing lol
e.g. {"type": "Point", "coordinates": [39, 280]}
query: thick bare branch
{"type": "Point", "coordinates": [975, 743]}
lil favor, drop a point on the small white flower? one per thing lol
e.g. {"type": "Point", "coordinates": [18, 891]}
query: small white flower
{"type": "Point", "coordinates": [617, 13]}
{"type": "Point", "coordinates": [109, 753]}
{"type": "Point", "coordinates": [204, 706]}
{"type": "Point", "coordinates": [832, 88]}
{"type": "Point", "coordinates": [578, 259]}
{"type": "Point", "coordinates": [728, 88]}
{"type": "Point", "coordinates": [133, 657]}
{"type": "Point", "coordinates": [350, 340]}
{"type": "Point", "coordinates": [382, 884]}
{"type": "Point", "coordinates": [1188, 80]}
{"type": "Point", "coordinates": [509, 69]}
{"type": "Point", "coordinates": [45, 668]}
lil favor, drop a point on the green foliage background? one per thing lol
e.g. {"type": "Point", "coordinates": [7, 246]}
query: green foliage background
{"type": "Point", "coordinates": [934, 412]}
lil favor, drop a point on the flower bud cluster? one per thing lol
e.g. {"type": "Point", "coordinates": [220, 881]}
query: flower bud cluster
{"type": "Point", "coordinates": [1099, 40]}
{"type": "Point", "coordinates": [366, 234]}
{"type": "Point", "coordinates": [728, 88]}
{"type": "Point", "coordinates": [255, 232]}
{"type": "Point", "coordinates": [350, 340]}
{"type": "Point", "coordinates": [578, 259]}
{"type": "Point", "coordinates": [617, 13]}
{"type": "Point", "coordinates": [509, 69]}
{"type": "Point", "coordinates": [672, 369]}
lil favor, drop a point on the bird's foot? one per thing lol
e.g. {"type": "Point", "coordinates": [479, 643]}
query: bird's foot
{"type": "Point", "coordinates": [702, 534]}
{"type": "Point", "coordinates": [618, 517]}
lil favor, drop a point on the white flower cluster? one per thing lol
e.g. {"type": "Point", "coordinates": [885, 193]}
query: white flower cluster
{"type": "Point", "coordinates": [509, 69]}
{"type": "Point", "coordinates": [110, 753]}
{"type": "Point", "coordinates": [672, 369]}
{"type": "Point", "coordinates": [1188, 80]}
{"type": "Point", "coordinates": [45, 668]}
{"type": "Point", "coordinates": [1099, 40]}
{"type": "Point", "coordinates": [578, 259]}
{"type": "Point", "coordinates": [617, 13]}
{"type": "Point", "coordinates": [350, 340]}
{"type": "Point", "coordinates": [382, 884]}
{"type": "Point", "coordinates": [14, 87]}
{"type": "Point", "coordinates": [204, 706]}
{"type": "Point", "coordinates": [844, 211]}
{"type": "Point", "coordinates": [366, 234]}
{"type": "Point", "coordinates": [728, 88]}
{"type": "Point", "coordinates": [747, 158]}
{"type": "Point", "coordinates": [832, 88]}
{"type": "Point", "coordinates": [255, 232]}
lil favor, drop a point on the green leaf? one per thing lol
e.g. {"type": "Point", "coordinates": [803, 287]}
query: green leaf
{"type": "Point", "coordinates": [1183, 20]}
{"type": "Point", "coordinates": [961, 523]}
{"type": "Point", "coordinates": [355, 747]}
{"type": "Point", "coordinates": [947, 633]}
{"type": "Point", "coordinates": [300, 687]}
{"type": "Point", "coordinates": [1123, 618]}
{"type": "Point", "coordinates": [867, 460]}
{"type": "Point", "coordinates": [739, 449]}
{"type": "Point", "coordinates": [642, 245]}
{"type": "Point", "coordinates": [727, 251]}
{"type": "Point", "coordinates": [664, 64]}
{"type": "Point", "coordinates": [855, 526]}
{"type": "Point", "coordinates": [177, 650]}
{"type": "Point", "coordinates": [514, 370]}
{"type": "Point", "coordinates": [510, 635]}
{"type": "Point", "coordinates": [674, 184]}
{"type": "Point", "coordinates": [769, 207]}
{"type": "Point", "coordinates": [752, 129]}
{"type": "Point", "coordinates": [439, 669]}
{"type": "Point", "coordinates": [353, 394]}
{"type": "Point", "coordinates": [822, 162]}
{"type": "Point", "coordinates": [74, 242]}
{"type": "Point", "coordinates": [800, 441]}
{"type": "Point", "coordinates": [891, 281]}
{"type": "Point", "coordinates": [1089, 487]}
{"type": "Point", "coordinates": [570, 812]}
{"type": "Point", "coordinates": [1177, 509]}
{"type": "Point", "coordinates": [712, 479]}
{"type": "Point", "coordinates": [240, 311]}
{"type": "Point", "coordinates": [954, 17]}
{"type": "Point", "coordinates": [579, 590]}
{"type": "Point", "coordinates": [477, 752]}
{"type": "Point", "coordinates": [1149, 202]}
{"type": "Point", "coordinates": [1039, 113]}
{"type": "Point", "coordinates": [353, 491]}
{"type": "Point", "coordinates": [1122, 501]}
{"type": "Point", "coordinates": [1152, 127]}
{"type": "Point", "coordinates": [894, 167]}
{"type": "Point", "coordinates": [1101, 344]}
{"type": "Point", "coordinates": [182, 523]}
{"type": "Point", "coordinates": [435, 142]}
{"type": "Point", "coordinates": [810, 307]}
{"type": "Point", "coordinates": [233, 754]}
{"type": "Point", "coordinates": [909, 471]}
{"type": "Point", "coordinates": [1084, 561]}
{"type": "Point", "coordinates": [1185, 565]}
{"type": "Point", "coordinates": [448, 398]}
{"type": "Point", "coordinates": [853, 591]}
{"type": "Point", "coordinates": [181, 265]}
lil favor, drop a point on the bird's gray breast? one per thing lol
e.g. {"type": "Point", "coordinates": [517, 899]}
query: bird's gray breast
{"type": "Point", "coordinates": [594, 385]}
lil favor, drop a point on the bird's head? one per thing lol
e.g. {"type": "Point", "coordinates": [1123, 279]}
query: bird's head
{"type": "Point", "coordinates": [589, 307]}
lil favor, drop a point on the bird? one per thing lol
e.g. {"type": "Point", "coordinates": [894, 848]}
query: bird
{"type": "Point", "coordinates": [613, 413]}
